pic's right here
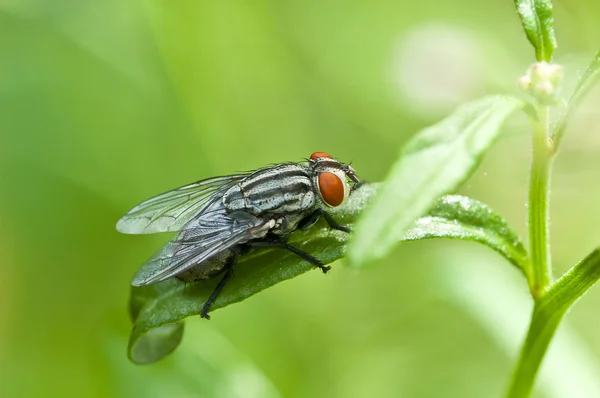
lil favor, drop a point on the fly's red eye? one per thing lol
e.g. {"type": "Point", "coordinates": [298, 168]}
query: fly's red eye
{"type": "Point", "coordinates": [317, 155]}
{"type": "Point", "coordinates": [331, 188]}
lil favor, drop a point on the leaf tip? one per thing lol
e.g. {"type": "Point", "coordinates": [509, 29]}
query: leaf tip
{"type": "Point", "coordinates": [146, 347]}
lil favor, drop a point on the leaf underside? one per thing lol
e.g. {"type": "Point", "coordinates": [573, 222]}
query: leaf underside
{"type": "Point", "coordinates": [158, 310]}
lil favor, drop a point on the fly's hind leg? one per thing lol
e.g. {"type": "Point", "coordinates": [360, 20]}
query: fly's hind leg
{"type": "Point", "coordinates": [283, 245]}
{"type": "Point", "coordinates": [310, 220]}
{"type": "Point", "coordinates": [211, 299]}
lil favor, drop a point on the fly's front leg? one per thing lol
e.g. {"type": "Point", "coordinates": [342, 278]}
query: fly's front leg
{"type": "Point", "coordinates": [310, 220]}
{"type": "Point", "coordinates": [357, 185]}
{"type": "Point", "coordinates": [283, 245]}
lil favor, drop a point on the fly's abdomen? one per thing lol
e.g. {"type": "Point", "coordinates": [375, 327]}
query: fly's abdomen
{"type": "Point", "coordinates": [284, 188]}
{"type": "Point", "coordinates": [208, 267]}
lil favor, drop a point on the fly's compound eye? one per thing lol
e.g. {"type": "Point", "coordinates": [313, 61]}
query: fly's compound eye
{"type": "Point", "coordinates": [317, 155]}
{"type": "Point", "coordinates": [332, 188]}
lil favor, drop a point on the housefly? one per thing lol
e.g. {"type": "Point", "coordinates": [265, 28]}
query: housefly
{"type": "Point", "coordinates": [221, 218]}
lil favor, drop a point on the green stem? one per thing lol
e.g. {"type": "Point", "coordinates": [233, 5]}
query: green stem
{"type": "Point", "coordinates": [547, 314]}
{"type": "Point", "coordinates": [540, 276]}
{"type": "Point", "coordinates": [541, 331]}
{"type": "Point", "coordinates": [543, 322]}
{"type": "Point", "coordinates": [552, 301]}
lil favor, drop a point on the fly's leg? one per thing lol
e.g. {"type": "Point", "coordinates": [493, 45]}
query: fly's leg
{"type": "Point", "coordinates": [333, 224]}
{"type": "Point", "coordinates": [217, 291]}
{"type": "Point", "coordinates": [284, 245]}
{"type": "Point", "coordinates": [357, 185]}
{"type": "Point", "coordinates": [305, 256]}
{"type": "Point", "coordinates": [310, 220]}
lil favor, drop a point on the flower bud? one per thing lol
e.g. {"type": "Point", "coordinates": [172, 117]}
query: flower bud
{"type": "Point", "coordinates": [543, 82]}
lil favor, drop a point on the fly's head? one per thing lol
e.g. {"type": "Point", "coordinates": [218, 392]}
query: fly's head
{"type": "Point", "coordinates": [331, 178]}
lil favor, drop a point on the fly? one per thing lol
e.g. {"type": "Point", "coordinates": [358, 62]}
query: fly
{"type": "Point", "coordinates": [219, 219]}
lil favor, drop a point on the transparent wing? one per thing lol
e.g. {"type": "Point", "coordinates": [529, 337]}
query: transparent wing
{"type": "Point", "coordinates": [213, 232]}
{"type": "Point", "coordinates": [171, 210]}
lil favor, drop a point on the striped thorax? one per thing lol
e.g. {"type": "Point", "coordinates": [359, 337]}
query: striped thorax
{"type": "Point", "coordinates": [284, 188]}
{"type": "Point", "coordinates": [290, 188]}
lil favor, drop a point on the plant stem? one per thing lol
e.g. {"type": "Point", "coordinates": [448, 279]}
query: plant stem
{"type": "Point", "coordinates": [541, 330]}
{"type": "Point", "coordinates": [543, 321]}
{"type": "Point", "coordinates": [540, 276]}
{"type": "Point", "coordinates": [547, 314]}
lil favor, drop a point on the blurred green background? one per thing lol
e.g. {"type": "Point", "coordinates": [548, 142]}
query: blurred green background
{"type": "Point", "coordinates": [105, 103]}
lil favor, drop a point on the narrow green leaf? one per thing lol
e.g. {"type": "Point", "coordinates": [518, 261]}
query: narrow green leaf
{"type": "Point", "coordinates": [435, 162]}
{"type": "Point", "coordinates": [572, 285]}
{"type": "Point", "coordinates": [158, 310]}
{"type": "Point", "coordinates": [460, 217]}
{"type": "Point", "coordinates": [538, 23]}
{"type": "Point", "coordinates": [587, 81]}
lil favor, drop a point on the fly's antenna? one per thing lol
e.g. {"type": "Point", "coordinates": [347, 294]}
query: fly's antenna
{"type": "Point", "coordinates": [351, 173]}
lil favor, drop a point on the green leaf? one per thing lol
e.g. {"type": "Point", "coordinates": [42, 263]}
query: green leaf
{"type": "Point", "coordinates": [572, 285]}
{"type": "Point", "coordinates": [538, 23]}
{"type": "Point", "coordinates": [158, 310]}
{"type": "Point", "coordinates": [158, 342]}
{"type": "Point", "coordinates": [435, 162]}
{"type": "Point", "coordinates": [460, 217]}
{"type": "Point", "coordinates": [587, 81]}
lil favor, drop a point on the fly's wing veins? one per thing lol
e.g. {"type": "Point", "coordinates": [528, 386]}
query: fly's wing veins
{"type": "Point", "coordinates": [171, 210]}
{"type": "Point", "coordinates": [213, 232]}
